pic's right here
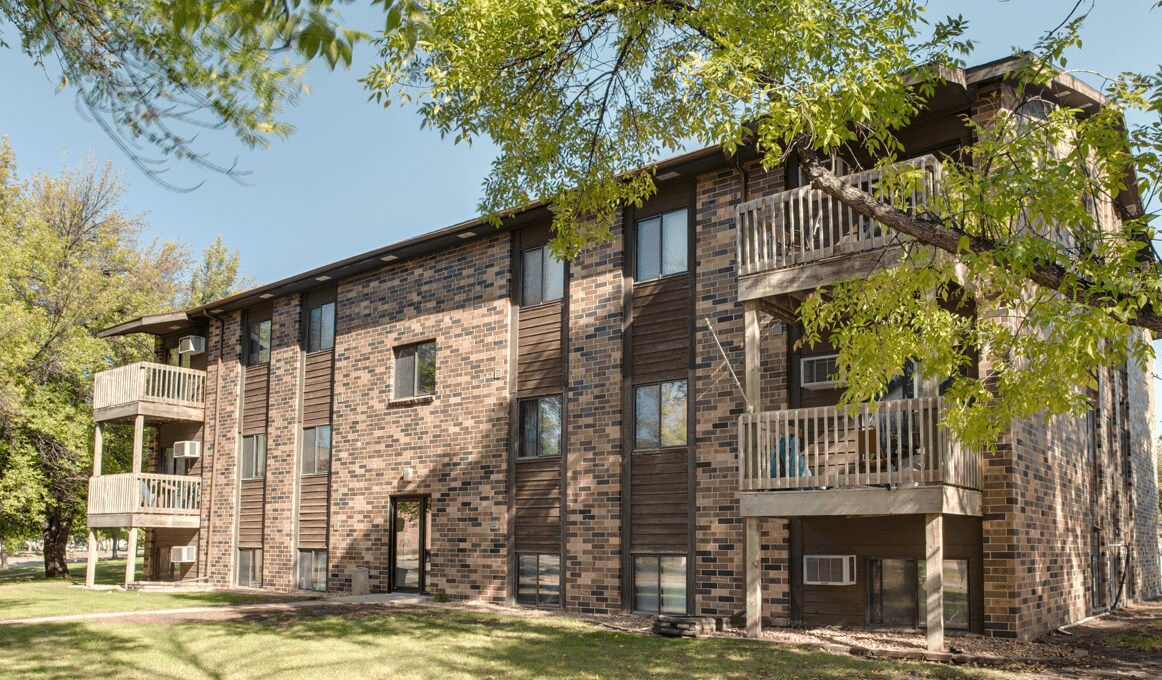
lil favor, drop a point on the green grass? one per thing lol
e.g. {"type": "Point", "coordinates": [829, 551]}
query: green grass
{"type": "Point", "coordinates": [436, 643]}
{"type": "Point", "coordinates": [25, 593]}
{"type": "Point", "coordinates": [1147, 639]}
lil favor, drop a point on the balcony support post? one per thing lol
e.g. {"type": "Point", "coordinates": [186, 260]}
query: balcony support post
{"type": "Point", "coordinates": [754, 579]}
{"type": "Point", "coordinates": [138, 445]}
{"type": "Point", "coordinates": [934, 580]}
{"type": "Point", "coordinates": [752, 338]}
{"type": "Point", "coordinates": [98, 452]}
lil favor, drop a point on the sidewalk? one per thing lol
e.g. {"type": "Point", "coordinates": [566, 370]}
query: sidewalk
{"type": "Point", "coordinates": [386, 598]}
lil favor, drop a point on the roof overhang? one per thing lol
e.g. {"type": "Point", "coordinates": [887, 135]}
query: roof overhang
{"type": "Point", "coordinates": [154, 324]}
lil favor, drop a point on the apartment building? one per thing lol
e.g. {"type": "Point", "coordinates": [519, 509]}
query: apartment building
{"type": "Point", "coordinates": [461, 413]}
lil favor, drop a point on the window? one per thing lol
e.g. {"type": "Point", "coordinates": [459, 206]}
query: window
{"type": "Point", "coordinates": [661, 245]}
{"type": "Point", "coordinates": [540, 427]}
{"type": "Point", "coordinates": [538, 580]}
{"type": "Point", "coordinates": [660, 415]}
{"type": "Point", "coordinates": [250, 567]}
{"type": "Point", "coordinates": [955, 595]}
{"type": "Point", "coordinates": [258, 351]}
{"type": "Point", "coordinates": [829, 570]}
{"type": "Point", "coordinates": [312, 570]}
{"type": "Point", "coordinates": [897, 595]}
{"type": "Point", "coordinates": [415, 370]}
{"type": "Point", "coordinates": [316, 450]}
{"type": "Point", "coordinates": [659, 584]}
{"type": "Point", "coordinates": [542, 277]}
{"type": "Point", "coordinates": [321, 327]}
{"type": "Point", "coordinates": [254, 456]}
{"type": "Point", "coordinates": [169, 465]}
{"type": "Point", "coordinates": [175, 358]}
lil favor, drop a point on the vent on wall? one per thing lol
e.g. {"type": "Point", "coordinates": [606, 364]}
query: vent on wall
{"type": "Point", "coordinates": [829, 570]}
{"type": "Point", "coordinates": [189, 449]}
{"type": "Point", "coordinates": [818, 373]}
{"type": "Point", "coordinates": [192, 344]}
{"type": "Point", "coordinates": [183, 553]}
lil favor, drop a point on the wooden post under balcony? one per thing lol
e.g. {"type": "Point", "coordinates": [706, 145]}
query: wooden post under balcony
{"type": "Point", "coordinates": [934, 580]}
{"type": "Point", "coordinates": [91, 565]}
{"type": "Point", "coordinates": [138, 444]}
{"type": "Point", "coordinates": [752, 548]}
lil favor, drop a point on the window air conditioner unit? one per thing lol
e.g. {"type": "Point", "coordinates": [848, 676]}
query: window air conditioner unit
{"type": "Point", "coordinates": [829, 570]}
{"type": "Point", "coordinates": [183, 553]}
{"type": "Point", "coordinates": [191, 449]}
{"type": "Point", "coordinates": [192, 344]}
{"type": "Point", "coordinates": [818, 373]}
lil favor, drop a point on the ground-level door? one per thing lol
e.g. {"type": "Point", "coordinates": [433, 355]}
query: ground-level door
{"type": "Point", "coordinates": [409, 544]}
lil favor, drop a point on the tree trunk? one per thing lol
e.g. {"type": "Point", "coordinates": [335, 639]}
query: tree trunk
{"type": "Point", "coordinates": [57, 529]}
{"type": "Point", "coordinates": [113, 533]}
{"type": "Point", "coordinates": [3, 558]}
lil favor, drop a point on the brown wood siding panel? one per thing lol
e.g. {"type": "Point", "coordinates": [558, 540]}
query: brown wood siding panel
{"type": "Point", "coordinates": [659, 505]}
{"type": "Point", "coordinates": [314, 511]}
{"type": "Point", "coordinates": [540, 360]}
{"type": "Point", "coordinates": [317, 389]}
{"type": "Point", "coordinates": [901, 536]}
{"type": "Point", "coordinates": [250, 512]}
{"type": "Point", "coordinates": [254, 399]}
{"type": "Point", "coordinates": [537, 506]}
{"type": "Point", "coordinates": [661, 329]}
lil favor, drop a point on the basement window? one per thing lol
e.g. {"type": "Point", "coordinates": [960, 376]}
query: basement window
{"type": "Point", "coordinates": [538, 580]}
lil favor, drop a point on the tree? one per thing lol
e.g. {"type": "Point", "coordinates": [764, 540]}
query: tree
{"type": "Point", "coordinates": [582, 96]}
{"type": "Point", "coordinates": [73, 265]}
{"type": "Point", "coordinates": [217, 276]}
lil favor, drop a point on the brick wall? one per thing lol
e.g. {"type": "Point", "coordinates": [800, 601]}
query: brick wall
{"type": "Point", "coordinates": [456, 443]}
{"type": "Point", "coordinates": [279, 554]}
{"type": "Point", "coordinates": [592, 560]}
{"type": "Point", "coordinates": [219, 454]}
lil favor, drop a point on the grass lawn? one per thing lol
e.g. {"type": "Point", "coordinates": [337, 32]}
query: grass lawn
{"type": "Point", "coordinates": [426, 643]}
{"type": "Point", "coordinates": [25, 593]}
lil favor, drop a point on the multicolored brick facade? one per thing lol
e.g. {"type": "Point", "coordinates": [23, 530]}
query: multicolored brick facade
{"type": "Point", "coordinates": [1053, 497]}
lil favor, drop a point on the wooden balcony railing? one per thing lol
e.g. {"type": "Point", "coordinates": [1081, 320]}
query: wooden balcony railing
{"type": "Point", "coordinates": [805, 225]}
{"type": "Point", "coordinates": [145, 381]}
{"type": "Point", "coordinates": [144, 494]}
{"type": "Point", "coordinates": [900, 443]}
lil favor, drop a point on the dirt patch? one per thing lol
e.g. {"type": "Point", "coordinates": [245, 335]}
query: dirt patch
{"type": "Point", "coordinates": [1109, 646]}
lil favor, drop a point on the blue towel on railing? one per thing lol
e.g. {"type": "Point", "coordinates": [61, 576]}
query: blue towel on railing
{"type": "Point", "coordinates": [788, 461]}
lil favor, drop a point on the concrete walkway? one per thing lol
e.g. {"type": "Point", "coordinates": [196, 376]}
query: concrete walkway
{"type": "Point", "coordinates": [386, 598]}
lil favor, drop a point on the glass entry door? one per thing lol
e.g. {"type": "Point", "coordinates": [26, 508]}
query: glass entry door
{"type": "Point", "coordinates": [409, 543]}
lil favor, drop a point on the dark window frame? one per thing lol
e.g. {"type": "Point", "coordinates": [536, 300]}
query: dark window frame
{"type": "Point", "coordinates": [544, 293]}
{"type": "Point", "coordinates": [642, 247]}
{"type": "Point", "coordinates": [522, 452]}
{"type": "Point", "coordinates": [416, 388]}
{"type": "Point", "coordinates": [637, 421]}
{"type": "Point", "coordinates": [310, 443]}
{"type": "Point", "coordinates": [310, 581]}
{"type": "Point", "coordinates": [317, 339]}
{"type": "Point", "coordinates": [918, 564]}
{"type": "Point", "coordinates": [660, 593]}
{"type": "Point", "coordinates": [548, 600]}
{"type": "Point", "coordinates": [261, 355]}
{"type": "Point", "coordinates": [254, 573]}
{"type": "Point", "coordinates": [251, 460]}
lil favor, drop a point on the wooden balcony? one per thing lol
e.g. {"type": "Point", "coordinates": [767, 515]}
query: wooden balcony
{"type": "Point", "coordinates": [145, 500]}
{"type": "Point", "coordinates": [801, 239]}
{"type": "Point", "coordinates": [156, 391]}
{"type": "Point", "coordinates": [894, 459]}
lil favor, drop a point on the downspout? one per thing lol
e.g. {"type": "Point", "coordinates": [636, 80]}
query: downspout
{"type": "Point", "coordinates": [742, 176]}
{"type": "Point", "coordinates": [205, 563]}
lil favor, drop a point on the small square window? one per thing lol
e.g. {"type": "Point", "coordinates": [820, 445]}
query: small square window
{"type": "Point", "coordinates": [415, 370]}
{"type": "Point", "coordinates": [538, 581]}
{"type": "Point", "coordinates": [662, 245]}
{"type": "Point", "coordinates": [312, 570]}
{"type": "Point", "coordinates": [254, 456]}
{"type": "Point", "coordinates": [540, 427]}
{"type": "Point", "coordinates": [250, 567]}
{"type": "Point", "coordinates": [660, 415]}
{"type": "Point", "coordinates": [321, 328]}
{"type": "Point", "coordinates": [258, 345]}
{"type": "Point", "coordinates": [659, 584]}
{"type": "Point", "coordinates": [542, 277]}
